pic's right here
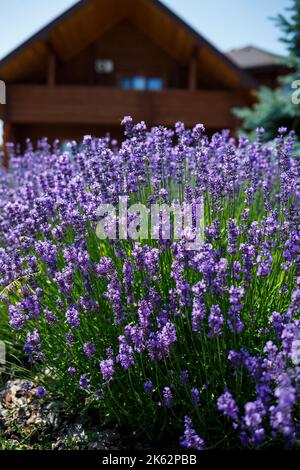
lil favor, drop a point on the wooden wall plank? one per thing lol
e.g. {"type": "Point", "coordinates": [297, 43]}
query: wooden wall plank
{"type": "Point", "coordinates": [107, 105]}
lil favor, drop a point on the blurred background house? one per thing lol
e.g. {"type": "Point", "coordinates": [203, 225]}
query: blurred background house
{"type": "Point", "coordinates": [102, 60]}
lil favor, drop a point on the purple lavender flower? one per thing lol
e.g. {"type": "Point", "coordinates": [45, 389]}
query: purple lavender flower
{"type": "Point", "coordinates": [295, 300]}
{"type": "Point", "coordinates": [184, 377]}
{"type": "Point", "coordinates": [199, 309]}
{"type": "Point", "coordinates": [190, 439]}
{"type": "Point", "coordinates": [50, 317]}
{"type": "Point", "coordinates": [70, 339]}
{"type": "Point", "coordinates": [232, 234]}
{"type": "Point", "coordinates": [281, 414]}
{"type": "Point", "coordinates": [128, 123]}
{"type": "Point", "coordinates": [107, 369]}
{"type": "Point", "coordinates": [215, 320]}
{"type": "Point", "coordinates": [99, 394]}
{"type": "Point", "coordinates": [167, 397]}
{"type": "Point", "coordinates": [128, 280]}
{"type": "Point", "coordinates": [72, 370]}
{"type": "Point", "coordinates": [235, 296]}
{"type": "Point", "coordinates": [84, 382]}
{"type": "Point", "coordinates": [136, 336]}
{"type": "Point", "coordinates": [253, 418]}
{"type": "Point", "coordinates": [161, 301]}
{"type": "Point", "coordinates": [16, 318]}
{"type": "Point", "coordinates": [125, 356]}
{"type": "Point", "coordinates": [72, 316]}
{"type": "Point", "coordinates": [114, 294]}
{"type": "Point", "coordinates": [40, 392]}
{"type": "Point", "coordinates": [277, 321]}
{"type": "Point", "coordinates": [89, 349]}
{"type": "Point", "coordinates": [227, 405]}
{"type": "Point", "coordinates": [264, 262]}
{"type": "Point", "coordinates": [148, 387]}
{"type": "Point", "coordinates": [289, 335]}
{"type": "Point", "coordinates": [166, 338]}
{"type": "Point", "coordinates": [144, 314]}
{"type": "Point", "coordinates": [27, 386]}
{"type": "Point", "coordinates": [198, 131]}
{"type": "Point", "coordinates": [32, 347]}
{"type": "Point", "coordinates": [195, 394]}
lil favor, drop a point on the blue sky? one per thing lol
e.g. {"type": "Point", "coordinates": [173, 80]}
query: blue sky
{"type": "Point", "coordinates": [226, 23]}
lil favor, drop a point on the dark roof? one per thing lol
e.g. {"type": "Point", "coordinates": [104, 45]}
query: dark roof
{"type": "Point", "coordinates": [253, 57]}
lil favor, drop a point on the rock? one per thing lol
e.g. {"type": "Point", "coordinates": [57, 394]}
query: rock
{"type": "Point", "coordinates": [3, 416]}
{"type": "Point", "coordinates": [35, 418]}
{"type": "Point", "coordinates": [25, 410]}
{"type": "Point", "coordinates": [52, 414]}
{"type": "Point", "coordinates": [104, 440]}
{"type": "Point", "coordinates": [58, 444]}
{"type": "Point", "coordinates": [12, 394]}
{"type": "Point", "coordinates": [77, 433]}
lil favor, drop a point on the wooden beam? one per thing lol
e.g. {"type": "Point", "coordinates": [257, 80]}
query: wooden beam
{"type": "Point", "coordinates": [107, 105]}
{"type": "Point", "coordinates": [2, 111]}
{"type": "Point", "coordinates": [193, 70]}
{"type": "Point", "coordinates": [51, 69]}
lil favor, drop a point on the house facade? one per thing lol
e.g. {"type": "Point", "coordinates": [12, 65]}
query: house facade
{"type": "Point", "coordinates": [103, 59]}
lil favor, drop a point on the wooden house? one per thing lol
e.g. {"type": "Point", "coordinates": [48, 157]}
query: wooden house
{"type": "Point", "coordinates": [103, 59]}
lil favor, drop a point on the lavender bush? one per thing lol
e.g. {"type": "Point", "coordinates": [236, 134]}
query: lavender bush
{"type": "Point", "coordinates": [155, 338]}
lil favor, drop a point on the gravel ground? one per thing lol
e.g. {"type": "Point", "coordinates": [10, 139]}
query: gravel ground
{"type": "Point", "coordinates": [26, 422]}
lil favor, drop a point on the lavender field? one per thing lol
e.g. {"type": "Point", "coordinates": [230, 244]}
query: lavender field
{"type": "Point", "coordinates": [161, 342]}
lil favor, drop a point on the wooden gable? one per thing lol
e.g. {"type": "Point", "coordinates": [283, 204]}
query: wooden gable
{"type": "Point", "coordinates": [84, 24]}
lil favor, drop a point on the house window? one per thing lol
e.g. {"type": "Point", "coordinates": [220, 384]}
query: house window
{"type": "Point", "coordinates": [155, 84]}
{"type": "Point", "coordinates": [141, 83]}
{"type": "Point", "coordinates": [126, 83]}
